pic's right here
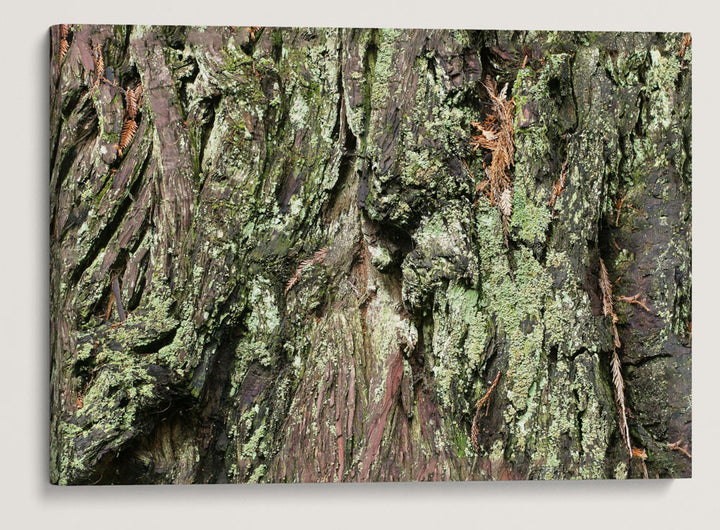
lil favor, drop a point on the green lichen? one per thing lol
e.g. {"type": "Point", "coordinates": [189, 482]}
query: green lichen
{"type": "Point", "coordinates": [529, 221]}
{"type": "Point", "coordinates": [458, 348]}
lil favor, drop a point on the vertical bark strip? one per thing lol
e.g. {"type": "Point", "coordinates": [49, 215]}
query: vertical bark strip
{"type": "Point", "coordinates": [314, 285]}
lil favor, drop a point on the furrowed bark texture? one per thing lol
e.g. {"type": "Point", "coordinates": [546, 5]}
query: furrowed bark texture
{"type": "Point", "coordinates": [257, 148]}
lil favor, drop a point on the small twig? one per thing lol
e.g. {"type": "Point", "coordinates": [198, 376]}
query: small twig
{"type": "Point", "coordinates": [675, 446]}
{"type": "Point", "coordinates": [483, 187]}
{"type": "Point", "coordinates": [355, 289]}
{"type": "Point", "coordinates": [468, 170]}
{"type": "Point", "coordinates": [619, 208]}
{"type": "Point", "coordinates": [109, 308]}
{"type": "Point", "coordinates": [635, 300]}
{"type": "Point", "coordinates": [485, 400]}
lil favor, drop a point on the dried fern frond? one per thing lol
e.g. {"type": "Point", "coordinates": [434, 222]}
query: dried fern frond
{"type": "Point", "coordinates": [132, 101]}
{"type": "Point", "coordinates": [496, 134]}
{"type": "Point", "coordinates": [64, 45]}
{"type": "Point", "coordinates": [606, 290]}
{"type": "Point", "coordinates": [505, 207]}
{"type": "Point", "coordinates": [485, 400]}
{"type": "Point", "coordinates": [126, 136]}
{"type": "Point", "coordinates": [131, 106]}
{"type": "Point", "coordinates": [615, 364]}
{"type": "Point", "coordinates": [99, 65]}
{"type": "Point", "coordinates": [608, 308]}
{"type": "Point", "coordinates": [489, 134]}
{"type": "Point", "coordinates": [619, 384]}
{"type": "Point", "coordinates": [252, 30]}
{"type": "Point", "coordinates": [139, 93]}
{"type": "Point", "coordinates": [318, 257]}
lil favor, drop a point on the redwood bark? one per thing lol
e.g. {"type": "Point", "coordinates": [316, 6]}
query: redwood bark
{"type": "Point", "coordinates": [251, 354]}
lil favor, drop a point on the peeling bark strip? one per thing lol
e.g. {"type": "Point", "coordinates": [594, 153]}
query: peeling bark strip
{"type": "Point", "coordinates": [313, 288]}
{"type": "Point", "coordinates": [118, 299]}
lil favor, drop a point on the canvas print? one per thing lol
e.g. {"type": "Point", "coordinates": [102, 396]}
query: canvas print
{"type": "Point", "coordinates": [356, 254]}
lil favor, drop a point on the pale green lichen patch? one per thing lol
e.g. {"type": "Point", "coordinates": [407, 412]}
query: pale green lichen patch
{"type": "Point", "coordinates": [663, 72]}
{"type": "Point", "coordinates": [458, 348]}
{"type": "Point", "coordinates": [529, 220]}
{"type": "Point", "coordinates": [442, 252]}
{"type": "Point", "coordinates": [530, 316]}
{"type": "Point", "coordinates": [429, 124]}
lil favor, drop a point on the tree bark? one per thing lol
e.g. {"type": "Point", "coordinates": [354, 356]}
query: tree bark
{"type": "Point", "coordinates": [316, 286]}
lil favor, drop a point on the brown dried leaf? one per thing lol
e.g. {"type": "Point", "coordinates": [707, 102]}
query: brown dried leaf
{"type": "Point", "coordinates": [559, 186]}
{"type": "Point", "coordinates": [639, 453]}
